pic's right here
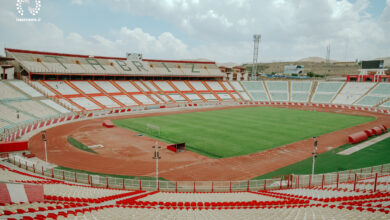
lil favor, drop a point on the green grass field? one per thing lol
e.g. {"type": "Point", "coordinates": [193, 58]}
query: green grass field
{"type": "Point", "coordinates": [330, 161]}
{"type": "Point", "coordinates": [241, 131]}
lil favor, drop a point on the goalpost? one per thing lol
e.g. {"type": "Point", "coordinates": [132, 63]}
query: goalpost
{"type": "Point", "coordinates": [150, 128]}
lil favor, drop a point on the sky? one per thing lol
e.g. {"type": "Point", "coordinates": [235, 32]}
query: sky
{"type": "Point", "coordinates": [219, 30]}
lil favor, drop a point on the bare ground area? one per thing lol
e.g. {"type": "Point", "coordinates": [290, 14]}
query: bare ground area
{"type": "Point", "coordinates": [126, 153]}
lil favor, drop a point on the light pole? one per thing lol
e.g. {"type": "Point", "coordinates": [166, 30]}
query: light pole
{"type": "Point", "coordinates": [44, 142]}
{"type": "Point", "coordinates": [156, 157]}
{"type": "Point", "coordinates": [314, 155]}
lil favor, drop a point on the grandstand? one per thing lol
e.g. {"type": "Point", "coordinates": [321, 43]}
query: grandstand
{"type": "Point", "coordinates": [57, 90]}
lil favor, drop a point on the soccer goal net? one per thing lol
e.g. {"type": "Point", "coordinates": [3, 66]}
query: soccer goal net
{"type": "Point", "coordinates": [153, 129]}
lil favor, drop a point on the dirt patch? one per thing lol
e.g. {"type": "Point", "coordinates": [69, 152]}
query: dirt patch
{"type": "Point", "coordinates": [125, 153]}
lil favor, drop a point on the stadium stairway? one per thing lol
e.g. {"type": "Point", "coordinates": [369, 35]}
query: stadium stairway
{"type": "Point", "coordinates": [312, 91]}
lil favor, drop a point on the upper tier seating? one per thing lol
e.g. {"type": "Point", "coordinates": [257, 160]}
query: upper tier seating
{"type": "Point", "coordinates": [164, 86]}
{"type": "Point", "coordinates": [214, 85]}
{"type": "Point", "coordinates": [127, 86]}
{"type": "Point", "coordinates": [209, 96]}
{"type": "Point", "coordinates": [325, 91]}
{"type": "Point", "coordinates": [193, 97]}
{"type": "Point", "coordinates": [352, 91]}
{"type": "Point", "coordinates": [376, 95]}
{"type": "Point", "coordinates": [224, 96]}
{"type": "Point", "coordinates": [104, 100]}
{"type": "Point", "coordinates": [177, 97]}
{"type": "Point", "coordinates": [198, 85]}
{"type": "Point", "coordinates": [46, 62]}
{"type": "Point", "coordinates": [85, 103]}
{"type": "Point", "coordinates": [143, 99]}
{"type": "Point", "coordinates": [107, 86]}
{"type": "Point", "coordinates": [139, 84]}
{"type": "Point", "coordinates": [227, 85]}
{"type": "Point", "coordinates": [62, 87]}
{"type": "Point", "coordinates": [155, 97]}
{"type": "Point", "coordinates": [237, 86]}
{"type": "Point", "coordinates": [181, 85]}
{"type": "Point", "coordinates": [85, 86]}
{"type": "Point", "coordinates": [127, 101]}
{"type": "Point", "coordinates": [150, 86]}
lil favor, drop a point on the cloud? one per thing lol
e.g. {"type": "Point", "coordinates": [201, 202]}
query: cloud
{"type": "Point", "coordinates": [218, 30]}
{"type": "Point", "coordinates": [77, 2]}
{"type": "Point", "coordinates": [290, 29]}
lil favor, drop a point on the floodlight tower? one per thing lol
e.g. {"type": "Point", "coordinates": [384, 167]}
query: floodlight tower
{"type": "Point", "coordinates": [328, 54]}
{"type": "Point", "coordinates": [315, 154]}
{"type": "Point", "coordinates": [256, 41]}
{"type": "Point", "coordinates": [44, 142]}
{"type": "Point", "coordinates": [156, 157]}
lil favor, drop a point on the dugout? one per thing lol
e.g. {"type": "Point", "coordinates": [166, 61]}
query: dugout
{"type": "Point", "coordinates": [181, 147]}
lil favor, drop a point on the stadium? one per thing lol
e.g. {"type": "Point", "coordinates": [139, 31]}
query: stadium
{"type": "Point", "coordinates": [104, 137]}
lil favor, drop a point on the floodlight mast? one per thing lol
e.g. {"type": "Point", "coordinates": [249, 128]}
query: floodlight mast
{"type": "Point", "coordinates": [44, 142]}
{"type": "Point", "coordinates": [156, 157]}
{"type": "Point", "coordinates": [256, 40]}
{"type": "Point", "coordinates": [315, 154]}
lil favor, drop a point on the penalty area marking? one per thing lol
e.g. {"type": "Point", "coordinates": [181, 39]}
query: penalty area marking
{"type": "Point", "coordinates": [361, 146]}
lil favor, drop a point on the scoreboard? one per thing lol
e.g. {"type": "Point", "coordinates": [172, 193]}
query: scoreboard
{"type": "Point", "coordinates": [372, 64]}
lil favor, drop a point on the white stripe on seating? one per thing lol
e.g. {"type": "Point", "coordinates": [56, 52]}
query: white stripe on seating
{"type": "Point", "coordinates": [17, 192]}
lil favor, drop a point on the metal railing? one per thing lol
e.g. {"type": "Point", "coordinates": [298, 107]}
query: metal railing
{"type": "Point", "coordinates": [353, 177]}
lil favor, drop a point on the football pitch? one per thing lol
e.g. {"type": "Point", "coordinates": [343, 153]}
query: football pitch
{"type": "Point", "coordinates": [241, 131]}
